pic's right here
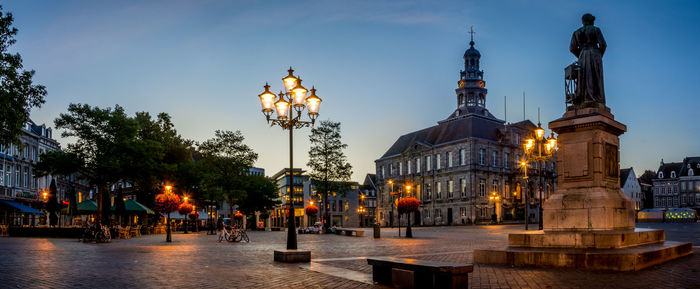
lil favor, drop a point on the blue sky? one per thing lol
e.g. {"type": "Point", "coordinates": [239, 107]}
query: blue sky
{"type": "Point", "coordinates": [383, 68]}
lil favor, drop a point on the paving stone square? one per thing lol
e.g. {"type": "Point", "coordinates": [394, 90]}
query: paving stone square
{"type": "Point", "coordinates": [198, 260]}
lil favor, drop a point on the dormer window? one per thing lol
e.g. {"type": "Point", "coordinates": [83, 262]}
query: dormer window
{"type": "Point", "coordinates": [661, 175]}
{"type": "Point", "coordinates": [673, 174]}
{"type": "Point", "coordinates": [698, 166]}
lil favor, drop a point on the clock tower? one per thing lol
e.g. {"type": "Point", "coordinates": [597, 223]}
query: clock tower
{"type": "Point", "coordinates": [471, 88]}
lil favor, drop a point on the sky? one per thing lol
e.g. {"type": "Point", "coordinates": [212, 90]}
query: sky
{"type": "Point", "coordinates": [382, 68]}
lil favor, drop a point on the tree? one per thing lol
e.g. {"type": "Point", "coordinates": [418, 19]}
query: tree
{"type": "Point", "coordinates": [330, 170]}
{"type": "Point", "coordinates": [52, 204]}
{"type": "Point", "coordinates": [169, 153]}
{"type": "Point", "coordinates": [18, 94]}
{"type": "Point", "coordinates": [261, 195]}
{"type": "Point", "coordinates": [228, 160]}
{"type": "Point", "coordinates": [59, 163]}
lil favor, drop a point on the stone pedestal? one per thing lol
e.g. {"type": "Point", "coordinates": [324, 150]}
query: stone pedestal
{"type": "Point", "coordinates": [588, 196]}
{"type": "Point", "coordinates": [292, 256]}
{"type": "Point", "coordinates": [588, 221]}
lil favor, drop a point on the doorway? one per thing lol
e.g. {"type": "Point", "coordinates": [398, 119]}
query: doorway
{"type": "Point", "coordinates": [449, 216]}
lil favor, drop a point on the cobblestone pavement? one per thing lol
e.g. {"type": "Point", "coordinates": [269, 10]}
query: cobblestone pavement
{"type": "Point", "coordinates": [197, 260]}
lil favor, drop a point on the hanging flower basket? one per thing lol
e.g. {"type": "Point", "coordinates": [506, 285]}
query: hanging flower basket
{"type": "Point", "coordinates": [185, 208]}
{"type": "Point", "coordinates": [167, 202]}
{"type": "Point", "coordinates": [194, 215]}
{"type": "Point", "coordinates": [238, 215]}
{"type": "Point", "coordinates": [311, 210]}
{"type": "Point", "coordinates": [408, 205]}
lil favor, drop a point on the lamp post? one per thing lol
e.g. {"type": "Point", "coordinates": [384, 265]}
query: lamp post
{"type": "Point", "coordinates": [495, 197]}
{"type": "Point", "coordinates": [392, 193]}
{"type": "Point", "coordinates": [539, 149]}
{"type": "Point", "coordinates": [409, 233]}
{"type": "Point", "coordinates": [361, 209]}
{"type": "Point", "coordinates": [293, 99]}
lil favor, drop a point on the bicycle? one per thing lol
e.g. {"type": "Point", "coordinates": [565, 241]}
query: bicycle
{"type": "Point", "coordinates": [226, 235]}
{"type": "Point", "coordinates": [240, 235]}
{"type": "Point", "coordinates": [97, 233]}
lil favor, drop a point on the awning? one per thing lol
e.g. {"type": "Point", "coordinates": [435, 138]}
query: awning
{"type": "Point", "coordinates": [133, 206]}
{"type": "Point", "coordinates": [21, 207]}
{"type": "Point", "coordinates": [87, 206]}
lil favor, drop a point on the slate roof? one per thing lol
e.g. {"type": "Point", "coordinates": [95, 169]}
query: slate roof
{"type": "Point", "coordinates": [624, 175]}
{"type": "Point", "coordinates": [694, 163]}
{"type": "Point", "coordinates": [667, 168]}
{"type": "Point", "coordinates": [449, 130]}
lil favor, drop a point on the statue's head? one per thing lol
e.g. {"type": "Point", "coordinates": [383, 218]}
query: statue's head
{"type": "Point", "coordinates": [587, 19]}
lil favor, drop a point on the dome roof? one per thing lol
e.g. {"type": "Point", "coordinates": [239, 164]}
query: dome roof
{"type": "Point", "coordinates": [472, 52]}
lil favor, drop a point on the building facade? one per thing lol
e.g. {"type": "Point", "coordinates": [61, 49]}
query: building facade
{"type": "Point", "coordinates": [677, 185]}
{"type": "Point", "coordinates": [455, 166]}
{"type": "Point", "coordinates": [368, 201]}
{"type": "Point", "coordinates": [20, 185]}
{"type": "Point", "coordinates": [279, 214]}
{"type": "Point", "coordinates": [630, 186]}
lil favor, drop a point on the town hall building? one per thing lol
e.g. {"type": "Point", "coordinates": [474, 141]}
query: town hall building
{"type": "Point", "coordinates": [454, 167]}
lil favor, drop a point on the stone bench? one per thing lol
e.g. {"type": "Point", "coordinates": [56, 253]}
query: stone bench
{"type": "Point", "coordinates": [349, 232]}
{"type": "Point", "coordinates": [413, 273]}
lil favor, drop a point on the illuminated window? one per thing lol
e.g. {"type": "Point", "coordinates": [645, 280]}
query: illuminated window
{"type": "Point", "coordinates": [482, 188]}
{"type": "Point", "coordinates": [463, 188]}
{"type": "Point", "coordinates": [450, 189]}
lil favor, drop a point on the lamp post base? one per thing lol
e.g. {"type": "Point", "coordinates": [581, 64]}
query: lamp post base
{"type": "Point", "coordinates": [292, 256]}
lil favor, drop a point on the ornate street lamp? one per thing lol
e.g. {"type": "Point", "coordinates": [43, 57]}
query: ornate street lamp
{"type": "Point", "coordinates": [289, 107]}
{"type": "Point", "coordinates": [495, 197]}
{"type": "Point", "coordinates": [538, 149]}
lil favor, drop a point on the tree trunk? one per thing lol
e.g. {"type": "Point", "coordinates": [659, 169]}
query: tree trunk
{"type": "Point", "coordinates": [103, 204]}
{"type": "Point", "coordinates": [326, 213]}
{"type": "Point", "coordinates": [168, 238]}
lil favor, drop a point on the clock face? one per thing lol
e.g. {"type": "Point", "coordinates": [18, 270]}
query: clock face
{"type": "Point", "coordinates": [482, 83]}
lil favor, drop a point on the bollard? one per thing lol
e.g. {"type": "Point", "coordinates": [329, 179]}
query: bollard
{"type": "Point", "coordinates": [376, 230]}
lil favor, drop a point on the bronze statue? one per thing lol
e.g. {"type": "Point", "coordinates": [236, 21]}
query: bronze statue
{"type": "Point", "coordinates": [588, 44]}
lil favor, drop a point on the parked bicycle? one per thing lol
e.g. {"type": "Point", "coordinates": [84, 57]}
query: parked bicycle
{"type": "Point", "coordinates": [233, 234]}
{"type": "Point", "coordinates": [97, 233]}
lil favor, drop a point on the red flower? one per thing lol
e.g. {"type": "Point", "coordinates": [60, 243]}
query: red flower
{"type": "Point", "coordinates": [408, 205]}
{"type": "Point", "coordinates": [167, 202]}
{"type": "Point", "coordinates": [185, 208]}
{"type": "Point", "coordinates": [311, 210]}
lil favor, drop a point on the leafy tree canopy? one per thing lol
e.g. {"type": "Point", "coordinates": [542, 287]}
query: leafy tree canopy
{"type": "Point", "coordinates": [330, 170]}
{"type": "Point", "coordinates": [18, 93]}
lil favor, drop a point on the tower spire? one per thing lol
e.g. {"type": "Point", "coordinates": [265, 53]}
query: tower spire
{"type": "Point", "coordinates": [471, 31]}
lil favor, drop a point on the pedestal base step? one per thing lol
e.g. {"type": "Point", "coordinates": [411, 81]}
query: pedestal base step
{"type": "Point", "coordinates": [622, 259]}
{"type": "Point", "coordinates": [586, 240]}
{"type": "Point", "coordinates": [292, 256]}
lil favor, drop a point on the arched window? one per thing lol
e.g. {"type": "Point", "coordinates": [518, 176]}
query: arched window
{"type": "Point", "coordinates": [461, 100]}
{"type": "Point", "coordinates": [482, 99]}
{"type": "Point", "coordinates": [673, 174]}
{"type": "Point", "coordinates": [470, 99]}
{"type": "Point", "coordinates": [661, 175]}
